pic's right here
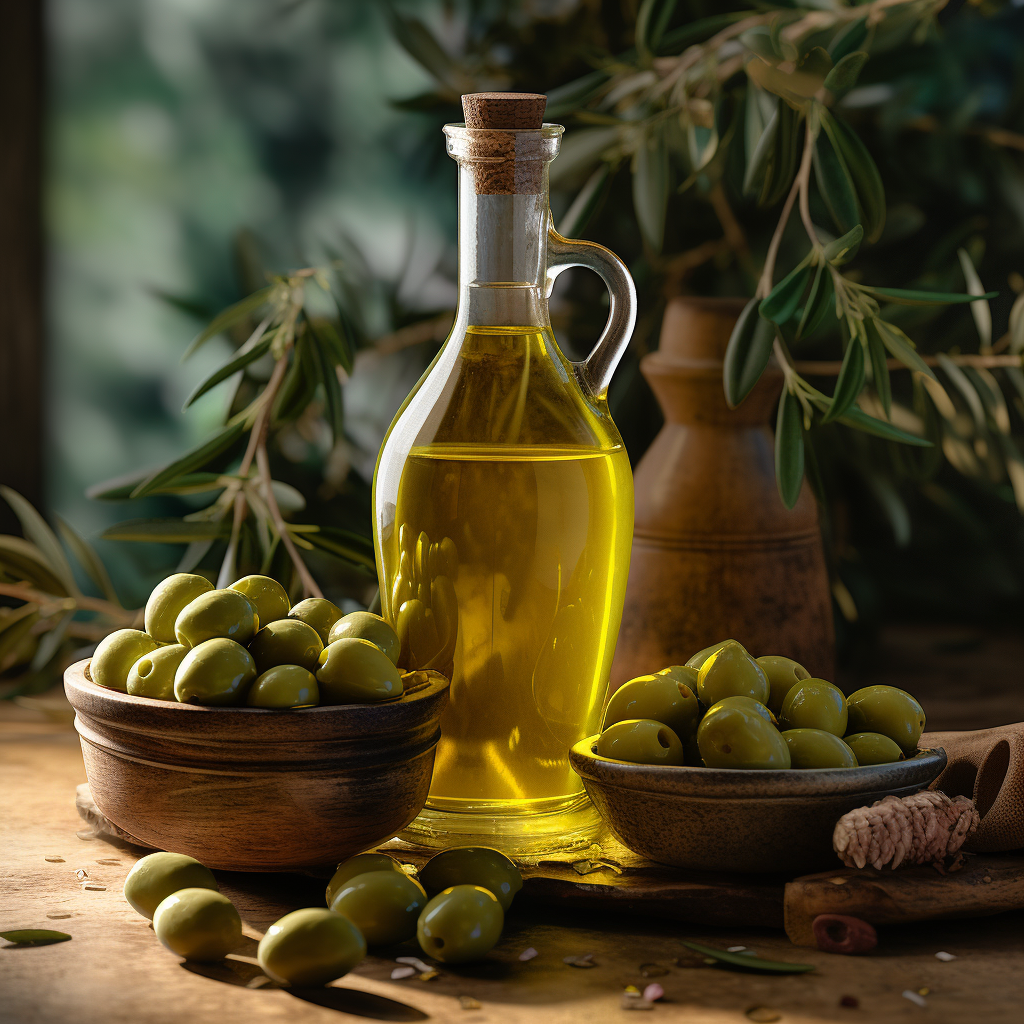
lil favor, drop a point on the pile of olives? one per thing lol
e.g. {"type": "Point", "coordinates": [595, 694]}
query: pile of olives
{"type": "Point", "coordinates": [247, 645]}
{"type": "Point", "coordinates": [726, 709]}
{"type": "Point", "coordinates": [371, 901]}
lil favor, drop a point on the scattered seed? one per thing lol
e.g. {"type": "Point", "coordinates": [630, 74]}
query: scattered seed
{"type": "Point", "coordinates": [402, 972]}
{"type": "Point", "coordinates": [587, 960]}
{"type": "Point", "coordinates": [81, 874]}
{"type": "Point", "coordinates": [838, 881]}
{"type": "Point", "coordinates": [94, 887]}
{"type": "Point", "coordinates": [735, 949]}
{"type": "Point", "coordinates": [429, 975]}
{"type": "Point", "coordinates": [653, 992]}
{"type": "Point", "coordinates": [54, 860]}
{"type": "Point", "coordinates": [58, 916]}
{"type": "Point", "coordinates": [923, 991]}
{"type": "Point", "coordinates": [108, 860]}
{"type": "Point", "coordinates": [944, 956]}
{"type": "Point", "coordinates": [851, 1001]}
{"type": "Point", "coordinates": [528, 954]}
{"type": "Point", "coordinates": [414, 961]}
{"type": "Point", "coordinates": [915, 998]}
{"type": "Point", "coordinates": [748, 960]}
{"type": "Point", "coordinates": [763, 1014]}
{"type": "Point", "coordinates": [653, 971]}
{"type": "Point", "coordinates": [469, 1003]}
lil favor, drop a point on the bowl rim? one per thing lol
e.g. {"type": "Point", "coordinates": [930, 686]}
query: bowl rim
{"type": "Point", "coordinates": [692, 781]}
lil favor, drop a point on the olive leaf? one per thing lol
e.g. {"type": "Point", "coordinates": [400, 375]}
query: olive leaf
{"type": "Point", "coordinates": [784, 157]}
{"type": "Point", "coordinates": [789, 449]}
{"type": "Point", "coordinates": [34, 936]}
{"type": "Point", "coordinates": [299, 384]}
{"type": "Point", "coordinates": [678, 39]}
{"type": "Point", "coordinates": [419, 42]}
{"type": "Point", "coordinates": [51, 641]}
{"type": "Point", "coordinates": [760, 142]}
{"type": "Point", "coordinates": [867, 182]}
{"type": "Point", "coordinates": [346, 545]}
{"type": "Point", "coordinates": [255, 348]}
{"type": "Point", "coordinates": [855, 417]}
{"type": "Point", "coordinates": [337, 344]}
{"type": "Point", "coordinates": [198, 456]}
{"type": "Point", "coordinates": [650, 187]}
{"type": "Point", "coordinates": [850, 382]}
{"type": "Point", "coordinates": [651, 21]}
{"type": "Point", "coordinates": [980, 309]}
{"type": "Point", "coordinates": [587, 200]}
{"type": "Point", "coordinates": [759, 40]}
{"type": "Point", "coordinates": [167, 531]}
{"type": "Point", "coordinates": [87, 558]}
{"type": "Point", "coordinates": [820, 302]}
{"type": "Point", "coordinates": [784, 299]}
{"type": "Point", "coordinates": [834, 184]}
{"type": "Point", "coordinates": [24, 561]}
{"type": "Point", "coordinates": [911, 297]}
{"type": "Point", "coordinates": [816, 62]}
{"type": "Point", "coordinates": [229, 317]}
{"type": "Point", "coordinates": [38, 532]}
{"type": "Point", "coordinates": [575, 94]}
{"type": "Point", "coordinates": [120, 488]}
{"type": "Point", "coordinates": [901, 347]}
{"type": "Point", "coordinates": [842, 250]}
{"type": "Point", "coordinates": [843, 77]}
{"type": "Point", "coordinates": [747, 354]}
{"type": "Point", "coordinates": [879, 365]}
{"type": "Point", "coordinates": [332, 386]}
{"type": "Point", "coordinates": [848, 39]}
{"type": "Point", "coordinates": [748, 962]}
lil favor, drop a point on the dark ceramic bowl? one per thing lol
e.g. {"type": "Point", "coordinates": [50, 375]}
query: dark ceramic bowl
{"type": "Point", "coordinates": [249, 789]}
{"type": "Point", "coordinates": [713, 819]}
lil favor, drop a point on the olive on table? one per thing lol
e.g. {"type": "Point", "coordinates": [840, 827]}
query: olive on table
{"type": "Point", "coordinates": [361, 864]}
{"type": "Point", "coordinates": [473, 865]}
{"type": "Point", "coordinates": [733, 736]}
{"type": "Point", "coordinates": [731, 672]}
{"type": "Point", "coordinates": [153, 674]}
{"type": "Point", "coordinates": [319, 613]}
{"type": "Point", "coordinates": [158, 875]}
{"type": "Point", "coordinates": [216, 672]}
{"type": "Point", "coordinates": [168, 599]}
{"type": "Point", "coordinates": [198, 924]}
{"type": "Point", "coordinates": [815, 704]}
{"type": "Point", "coordinates": [355, 671]}
{"type": "Point", "coordinates": [267, 596]}
{"type": "Point", "coordinates": [751, 705]}
{"type": "Point", "coordinates": [697, 661]}
{"type": "Point", "coordinates": [783, 674]}
{"type": "Point", "coordinates": [890, 711]}
{"type": "Point", "coordinates": [367, 626]}
{"type": "Point", "coordinates": [286, 642]}
{"type": "Point", "coordinates": [662, 698]}
{"type": "Point", "coordinates": [461, 924]}
{"type": "Point", "coordinates": [284, 686]}
{"type": "Point", "coordinates": [640, 741]}
{"type": "Point", "coordinates": [816, 748]}
{"type": "Point", "coordinates": [874, 748]}
{"type": "Point", "coordinates": [310, 947]}
{"type": "Point", "coordinates": [383, 905]}
{"type": "Point", "coordinates": [220, 613]}
{"type": "Point", "coordinates": [115, 654]}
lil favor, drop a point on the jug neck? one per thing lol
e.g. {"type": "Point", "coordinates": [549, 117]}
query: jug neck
{"type": "Point", "coordinates": [503, 223]}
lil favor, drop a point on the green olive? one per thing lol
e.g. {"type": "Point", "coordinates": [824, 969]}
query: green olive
{"type": "Point", "coordinates": [115, 654]}
{"type": "Point", "coordinates": [284, 686]}
{"type": "Point", "coordinates": [220, 613]}
{"type": "Point", "coordinates": [731, 736]}
{"type": "Point", "coordinates": [685, 674]}
{"type": "Point", "coordinates": [198, 924]}
{"type": "Point", "coordinates": [319, 613]}
{"type": "Point", "coordinates": [890, 711]}
{"type": "Point", "coordinates": [473, 865]}
{"type": "Point", "coordinates": [874, 748]}
{"type": "Point", "coordinates": [267, 596]}
{"type": "Point", "coordinates": [640, 741]}
{"type": "Point", "coordinates": [286, 642]}
{"type": "Point", "coordinates": [731, 672]}
{"type": "Point", "coordinates": [461, 924]}
{"type": "Point", "coordinates": [217, 672]}
{"type": "Point", "coordinates": [661, 698]}
{"type": "Point", "coordinates": [361, 864]}
{"type": "Point", "coordinates": [383, 905]}
{"type": "Point", "coordinates": [697, 661]}
{"type": "Point", "coordinates": [310, 947]}
{"type": "Point", "coordinates": [816, 748]}
{"type": "Point", "coordinates": [167, 600]}
{"type": "Point", "coordinates": [153, 674]}
{"type": "Point", "coordinates": [751, 705]}
{"type": "Point", "coordinates": [783, 674]}
{"type": "Point", "coordinates": [356, 672]}
{"type": "Point", "coordinates": [815, 704]}
{"type": "Point", "coordinates": [156, 876]}
{"type": "Point", "coordinates": [367, 626]}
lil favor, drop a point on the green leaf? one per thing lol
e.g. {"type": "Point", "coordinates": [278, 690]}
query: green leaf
{"type": "Point", "coordinates": [39, 533]}
{"type": "Point", "coordinates": [1017, 325]}
{"type": "Point", "coordinates": [848, 39]}
{"type": "Point", "coordinates": [34, 936]}
{"type": "Point", "coordinates": [167, 531]}
{"type": "Point", "coordinates": [789, 449]}
{"type": "Point", "coordinates": [901, 347]}
{"type": "Point", "coordinates": [14, 630]}
{"type": "Point", "coordinates": [820, 302]}
{"type": "Point", "coordinates": [651, 21]}
{"type": "Point", "coordinates": [867, 182]}
{"type": "Point", "coordinates": [963, 384]}
{"type": "Point", "coordinates": [418, 41]}
{"type": "Point", "coordinates": [332, 387]}
{"type": "Point", "coordinates": [842, 250]}
{"type": "Point", "coordinates": [843, 77]}
{"type": "Point", "coordinates": [816, 61]}
{"type": "Point", "coordinates": [228, 318]}
{"type": "Point", "coordinates": [248, 353]}
{"type": "Point", "coordinates": [834, 184]}
{"type": "Point", "coordinates": [850, 382]}
{"type": "Point", "coordinates": [879, 428]}
{"type": "Point", "coordinates": [24, 560]}
{"type": "Point", "coordinates": [784, 299]}
{"type": "Point", "coordinates": [760, 147]}
{"type": "Point", "coordinates": [587, 200]}
{"type": "Point", "coordinates": [337, 345]}
{"type": "Point", "coordinates": [120, 488]}
{"type": "Point", "coordinates": [910, 297]}
{"type": "Point", "coordinates": [879, 366]}
{"type": "Point", "coordinates": [650, 187]}
{"type": "Point", "coordinates": [678, 39]}
{"type": "Point", "coordinates": [747, 354]}
{"type": "Point", "coordinates": [87, 558]}
{"type": "Point", "coordinates": [191, 461]}
{"type": "Point", "coordinates": [575, 94]}
{"type": "Point", "coordinates": [785, 156]}
{"type": "Point", "coordinates": [299, 385]}
{"type": "Point", "coordinates": [344, 544]}
{"type": "Point", "coordinates": [50, 642]}
{"type": "Point", "coordinates": [979, 310]}
{"type": "Point", "coordinates": [580, 152]}
{"type": "Point", "coordinates": [748, 962]}
{"type": "Point", "coordinates": [759, 40]}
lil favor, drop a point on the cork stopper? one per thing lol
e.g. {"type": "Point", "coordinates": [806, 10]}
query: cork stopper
{"type": "Point", "coordinates": [504, 109]}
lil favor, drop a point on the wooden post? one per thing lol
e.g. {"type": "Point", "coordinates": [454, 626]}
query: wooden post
{"type": "Point", "coordinates": [21, 255]}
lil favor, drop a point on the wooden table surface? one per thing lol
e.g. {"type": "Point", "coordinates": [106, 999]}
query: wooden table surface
{"type": "Point", "coordinates": [114, 970]}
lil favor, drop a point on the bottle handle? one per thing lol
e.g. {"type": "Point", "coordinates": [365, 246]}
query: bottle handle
{"type": "Point", "coordinates": [595, 372]}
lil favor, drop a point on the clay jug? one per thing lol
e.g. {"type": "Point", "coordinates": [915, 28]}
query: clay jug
{"type": "Point", "coordinates": [715, 552]}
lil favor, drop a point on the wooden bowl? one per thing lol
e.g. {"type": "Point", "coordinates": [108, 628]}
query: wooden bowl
{"type": "Point", "coordinates": [713, 819]}
{"type": "Point", "coordinates": [248, 789]}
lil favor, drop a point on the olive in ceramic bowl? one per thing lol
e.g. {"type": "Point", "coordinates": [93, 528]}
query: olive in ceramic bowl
{"type": "Point", "coordinates": [266, 595]}
{"type": "Point", "coordinates": [286, 642]}
{"type": "Point", "coordinates": [367, 626]}
{"type": "Point", "coordinates": [220, 613]}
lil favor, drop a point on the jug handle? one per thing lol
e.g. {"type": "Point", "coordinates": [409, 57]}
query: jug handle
{"type": "Point", "coordinates": [595, 372]}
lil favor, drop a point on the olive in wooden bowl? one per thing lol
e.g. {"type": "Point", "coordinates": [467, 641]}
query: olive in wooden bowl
{"type": "Point", "coordinates": [251, 789]}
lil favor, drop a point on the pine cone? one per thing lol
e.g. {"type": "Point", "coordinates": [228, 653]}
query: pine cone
{"type": "Point", "coordinates": [925, 827]}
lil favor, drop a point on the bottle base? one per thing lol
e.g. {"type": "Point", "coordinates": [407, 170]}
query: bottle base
{"type": "Point", "coordinates": [570, 828]}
